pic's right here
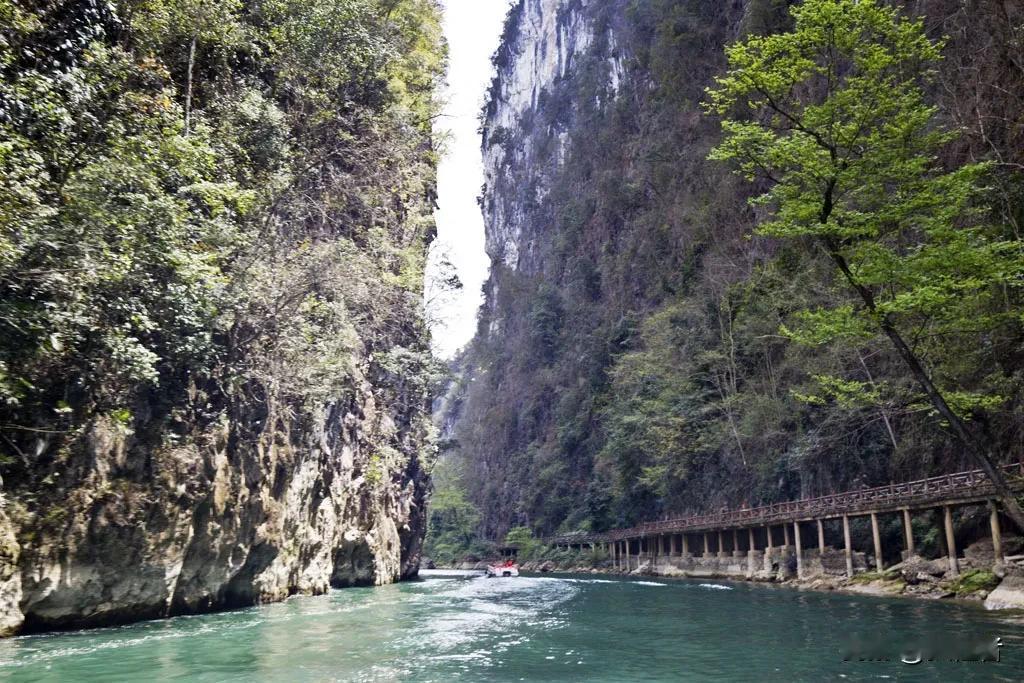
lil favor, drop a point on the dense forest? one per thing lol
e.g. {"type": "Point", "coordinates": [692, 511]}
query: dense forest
{"type": "Point", "coordinates": [215, 374]}
{"type": "Point", "coordinates": [662, 335]}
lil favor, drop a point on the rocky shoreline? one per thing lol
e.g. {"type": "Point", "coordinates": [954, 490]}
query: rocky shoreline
{"type": "Point", "coordinates": [979, 579]}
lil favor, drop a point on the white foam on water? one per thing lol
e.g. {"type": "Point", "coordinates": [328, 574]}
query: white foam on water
{"type": "Point", "coordinates": [716, 586]}
{"type": "Point", "coordinates": [647, 583]}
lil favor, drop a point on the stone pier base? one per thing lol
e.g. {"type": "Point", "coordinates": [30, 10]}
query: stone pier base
{"type": "Point", "coordinates": [756, 564]}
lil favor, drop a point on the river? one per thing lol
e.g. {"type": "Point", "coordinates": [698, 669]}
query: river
{"type": "Point", "coordinates": [458, 625]}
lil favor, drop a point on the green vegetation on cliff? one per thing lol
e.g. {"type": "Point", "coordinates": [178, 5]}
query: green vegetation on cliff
{"type": "Point", "coordinates": [652, 352]}
{"type": "Point", "coordinates": [208, 206]}
{"type": "Point", "coordinates": [214, 218]}
{"type": "Point", "coordinates": [849, 148]}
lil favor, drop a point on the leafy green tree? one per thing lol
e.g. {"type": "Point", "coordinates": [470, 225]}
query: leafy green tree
{"type": "Point", "coordinates": [832, 117]}
{"type": "Point", "coordinates": [522, 537]}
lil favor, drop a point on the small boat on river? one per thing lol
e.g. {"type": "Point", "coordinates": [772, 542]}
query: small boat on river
{"type": "Point", "coordinates": [505, 569]}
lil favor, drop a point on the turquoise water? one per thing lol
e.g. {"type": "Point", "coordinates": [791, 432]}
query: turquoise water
{"type": "Point", "coordinates": [458, 626]}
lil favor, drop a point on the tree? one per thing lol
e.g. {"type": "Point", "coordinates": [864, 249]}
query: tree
{"type": "Point", "coordinates": [832, 116]}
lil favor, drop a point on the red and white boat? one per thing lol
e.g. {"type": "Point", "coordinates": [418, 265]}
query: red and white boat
{"type": "Point", "coordinates": [505, 569]}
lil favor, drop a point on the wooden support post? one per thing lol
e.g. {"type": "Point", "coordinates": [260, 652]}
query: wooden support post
{"type": "Point", "coordinates": [721, 544]}
{"type": "Point", "coordinates": [997, 535]}
{"type": "Point", "coordinates": [785, 534]}
{"type": "Point", "coordinates": [672, 545]}
{"type": "Point", "coordinates": [954, 566]}
{"type": "Point", "coordinates": [799, 551]}
{"type": "Point", "coordinates": [877, 538]}
{"type": "Point", "coordinates": [847, 548]}
{"type": "Point", "coordinates": [735, 541]}
{"type": "Point", "coordinates": [821, 536]}
{"type": "Point", "coordinates": [707, 549]}
{"type": "Point", "coordinates": [750, 538]}
{"type": "Point", "coordinates": [686, 544]}
{"type": "Point", "coordinates": [768, 536]}
{"type": "Point", "coordinates": [908, 532]}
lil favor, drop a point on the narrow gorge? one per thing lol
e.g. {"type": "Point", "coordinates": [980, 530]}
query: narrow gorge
{"type": "Point", "coordinates": [747, 285]}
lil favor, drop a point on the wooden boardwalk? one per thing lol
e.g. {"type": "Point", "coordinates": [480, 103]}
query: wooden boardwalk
{"type": "Point", "coordinates": [946, 491]}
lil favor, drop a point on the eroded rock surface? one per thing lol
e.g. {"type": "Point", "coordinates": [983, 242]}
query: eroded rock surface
{"type": "Point", "coordinates": [1008, 595]}
{"type": "Point", "coordinates": [140, 532]}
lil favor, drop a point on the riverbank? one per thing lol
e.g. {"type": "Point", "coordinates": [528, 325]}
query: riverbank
{"type": "Point", "coordinates": [977, 579]}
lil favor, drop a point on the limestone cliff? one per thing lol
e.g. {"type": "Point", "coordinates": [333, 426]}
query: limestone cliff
{"type": "Point", "coordinates": [628, 363]}
{"type": "Point", "coordinates": [211, 527]}
{"type": "Point", "coordinates": [215, 375]}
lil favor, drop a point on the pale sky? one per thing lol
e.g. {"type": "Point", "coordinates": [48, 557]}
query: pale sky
{"type": "Point", "coordinates": [473, 28]}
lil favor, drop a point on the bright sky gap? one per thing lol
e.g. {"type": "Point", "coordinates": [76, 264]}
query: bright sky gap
{"type": "Point", "coordinates": [472, 28]}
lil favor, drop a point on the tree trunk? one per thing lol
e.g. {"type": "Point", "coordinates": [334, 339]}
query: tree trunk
{"type": "Point", "coordinates": [882, 411]}
{"type": "Point", "coordinates": [982, 456]}
{"type": "Point", "coordinates": [188, 89]}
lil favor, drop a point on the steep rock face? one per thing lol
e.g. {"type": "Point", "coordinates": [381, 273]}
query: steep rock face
{"type": "Point", "coordinates": [568, 73]}
{"type": "Point", "coordinates": [628, 363]}
{"type": "Point", "coordinates": [216, 527]}
{"type": "Point", "coordinates": [223, 398]}
{"type": "Point", "coordinates": [10, 578]}
{"type": "Point", "coordinates": [543, 40]}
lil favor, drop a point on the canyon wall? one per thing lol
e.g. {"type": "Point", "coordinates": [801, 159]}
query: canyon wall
{"type": "Point", "coordinates": [629, 362]}
{"type": "Point", "coordinates": [215, 375]}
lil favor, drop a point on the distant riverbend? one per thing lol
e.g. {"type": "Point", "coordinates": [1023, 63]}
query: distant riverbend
{"type": "Point", "coordinates": [459, 625]}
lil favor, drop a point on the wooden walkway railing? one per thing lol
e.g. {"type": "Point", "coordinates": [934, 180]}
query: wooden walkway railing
{"type": "Point", "coordinates": [959, 488]}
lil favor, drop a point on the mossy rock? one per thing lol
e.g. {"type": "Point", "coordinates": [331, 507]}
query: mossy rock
{"type": "Point", "coordinates": [871, 577]}
{"type": "Point", "coordinates": [972, 581]}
